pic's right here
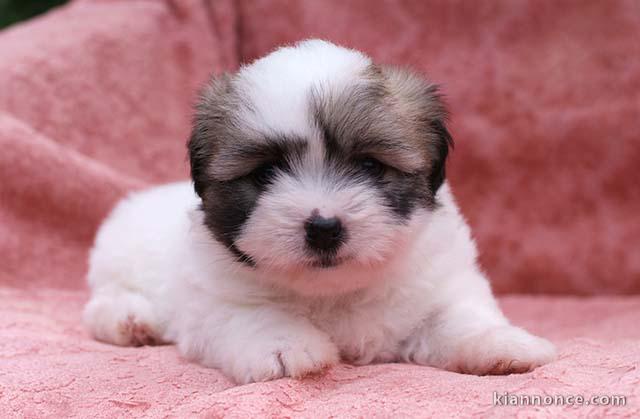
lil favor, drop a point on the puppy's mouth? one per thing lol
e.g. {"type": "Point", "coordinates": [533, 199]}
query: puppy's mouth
{"type": "Point", "coordinates": [328, 262]}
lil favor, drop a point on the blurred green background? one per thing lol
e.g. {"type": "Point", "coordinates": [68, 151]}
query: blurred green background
{"type": "Point", "coordinates": [12, 11]}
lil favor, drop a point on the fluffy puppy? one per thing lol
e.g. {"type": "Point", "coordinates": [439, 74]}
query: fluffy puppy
{"type": "Point", "coordinates": [322, 229]}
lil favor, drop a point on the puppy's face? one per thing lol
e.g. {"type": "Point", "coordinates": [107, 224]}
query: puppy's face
{"type": "Point", "coordinates": [314, 165]}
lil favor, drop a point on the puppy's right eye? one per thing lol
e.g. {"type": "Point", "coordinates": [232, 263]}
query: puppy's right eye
{"type": "Point", "coordinates": [264, 174]}
{"type": "Point", "coordinates": [373, 166]}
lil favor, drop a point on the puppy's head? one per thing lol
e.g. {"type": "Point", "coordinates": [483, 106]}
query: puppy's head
{"type": "Point", "coordinates": [314, 165]}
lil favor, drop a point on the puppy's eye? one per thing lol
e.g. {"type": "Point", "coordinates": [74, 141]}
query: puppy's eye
{"type": "Point", "coordinates": [264, 174]}
{"type": "Point", "coordinates": [372, 166]}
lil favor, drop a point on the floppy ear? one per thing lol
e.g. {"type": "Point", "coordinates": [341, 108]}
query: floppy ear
{"type": "Point", "coordinates": [442, 140]}
{"type": "Point", "coordinates": [212, 115]}
{"type": "Point", "coordinates": [435, 115]}
{"type": "Point", "coordinates": [197, 159]}
{"type": "Point", "coordinates": [422, 102]}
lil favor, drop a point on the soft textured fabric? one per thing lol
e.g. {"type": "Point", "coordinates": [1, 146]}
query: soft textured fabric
{"type": "Point", "coordinates": [95, 101]}
{"type": "Point", "coordinates": [50, 367]}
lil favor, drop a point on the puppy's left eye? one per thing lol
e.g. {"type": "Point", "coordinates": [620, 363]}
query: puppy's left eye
{"type": "Point", "coordinates": [264, 174]}
{"type": "Point", "coordinates": [372, 166]}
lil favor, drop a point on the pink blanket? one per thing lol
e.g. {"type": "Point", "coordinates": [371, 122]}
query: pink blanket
{"type": "Point", "coordinates": [95, 101]}
{"type": "Point", "coordinates": [50, 368]}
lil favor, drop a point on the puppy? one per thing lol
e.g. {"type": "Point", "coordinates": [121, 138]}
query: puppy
{"type": "Point", "coordinates": [321, 229]}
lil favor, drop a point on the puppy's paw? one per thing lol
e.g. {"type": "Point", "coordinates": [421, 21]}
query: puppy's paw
{"type": "Point", "coordinates": [125, 320]}
{"type": "Point", "coordinates": [291, 356]}
{"type": "Point", "coordinates": [501, 351]}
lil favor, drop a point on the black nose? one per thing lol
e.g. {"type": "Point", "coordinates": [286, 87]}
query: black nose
{"type": "Point", "coordinates": [324, 234]}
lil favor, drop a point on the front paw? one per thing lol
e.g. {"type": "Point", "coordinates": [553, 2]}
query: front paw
{"type": "Point", "coordinates": [500, 351]}
{"type": "Point", "coordinates": [285, 356]}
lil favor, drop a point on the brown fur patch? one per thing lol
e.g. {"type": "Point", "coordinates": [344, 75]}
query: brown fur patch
{"type": "Point", "coordinates": [139, 334]}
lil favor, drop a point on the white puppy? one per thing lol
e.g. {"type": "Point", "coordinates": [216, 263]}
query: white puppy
{"type": "Point", "coordinates": [322, 228]}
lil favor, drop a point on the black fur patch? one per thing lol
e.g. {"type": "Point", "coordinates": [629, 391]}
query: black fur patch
{"type": "Point", "coordinates": [226, 206]}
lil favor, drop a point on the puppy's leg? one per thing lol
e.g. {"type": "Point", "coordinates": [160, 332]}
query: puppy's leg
{"type": "Point", "coordinates": [467, 333]}
{"type": "Point", "coordinates": [256, 343]}
{"type": "Point", "coordinates": [122, 317]}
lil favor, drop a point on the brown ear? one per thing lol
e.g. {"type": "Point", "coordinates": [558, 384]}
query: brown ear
{"type": "Point", "coordinates": [423, 103]}
{"type": "Point", "coordinates": [212, 114]}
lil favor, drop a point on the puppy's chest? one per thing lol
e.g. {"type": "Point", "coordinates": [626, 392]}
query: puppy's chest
{"type": "Point", "coordinates": [370, 332]}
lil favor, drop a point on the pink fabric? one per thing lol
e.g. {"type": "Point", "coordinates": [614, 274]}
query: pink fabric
{"type": "Point", "coordinates": [50, 367]}
{"type": "Point", "coordinates": [95, 101]}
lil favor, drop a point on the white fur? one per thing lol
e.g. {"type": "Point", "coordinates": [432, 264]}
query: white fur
{"type": "Point", "coordinates": [411, 293]}
{"type": "Point", "coordinates": [278, 84]}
